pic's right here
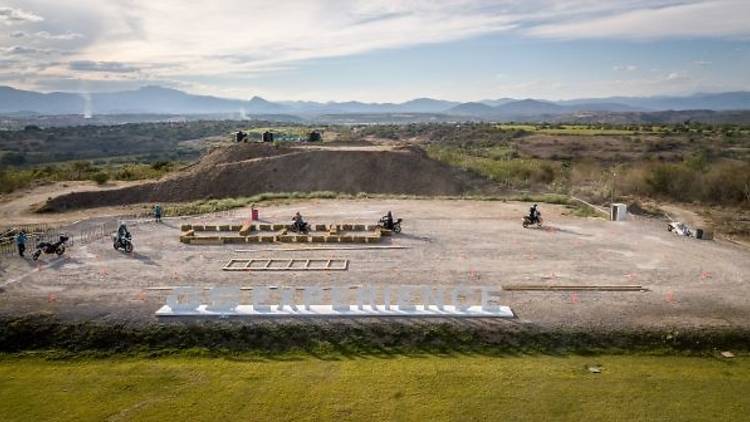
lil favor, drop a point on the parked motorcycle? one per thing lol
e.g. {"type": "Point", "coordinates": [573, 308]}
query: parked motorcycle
{"type": "Point", "coordinates": [125, 243]}
{"type": "Point", "coordinates": [527, 221]}
{"type": "Point", "coordinates": [50, 248]}
{"type": "Point", "coordinates": [396, 227]}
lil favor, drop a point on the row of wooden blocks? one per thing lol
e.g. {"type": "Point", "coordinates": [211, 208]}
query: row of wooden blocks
{"type": "Point", "coordinates": [190, 238]}
{"type": "Point", "coordinates": [276, 227]}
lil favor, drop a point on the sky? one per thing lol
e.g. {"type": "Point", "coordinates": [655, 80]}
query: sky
{"type": "Point", "coordinates": [379, 50]}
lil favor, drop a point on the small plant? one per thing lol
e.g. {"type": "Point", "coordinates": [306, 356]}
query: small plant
{"type": "Point", "coordinates": [100, 178]}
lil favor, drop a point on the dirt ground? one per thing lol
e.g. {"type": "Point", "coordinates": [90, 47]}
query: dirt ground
{"type": "Point", "coordinates": [691, 283]}
{"type": "Point", "coordinates": [17, 207]}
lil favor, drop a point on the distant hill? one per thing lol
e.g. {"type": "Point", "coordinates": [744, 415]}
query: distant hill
{"type": "Point", "coordinates": [472, 109]}
{"type": "Point", "coordinates": [160, 100]}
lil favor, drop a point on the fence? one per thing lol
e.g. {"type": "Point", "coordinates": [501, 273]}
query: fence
{"type": "Point", "coordinates": [49, 233]}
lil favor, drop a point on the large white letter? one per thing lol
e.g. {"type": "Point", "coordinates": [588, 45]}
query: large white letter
{"type": "Point", "coordinates": [457, 292]}
{"type": "Point", "coordinates": [311, 296]}
{"type": "Point", "coordinates": [404, 299]}
{"type": "Point", "coordinates": [339, 301]}
{"type": "Point", "coordinates": [260, 296]}
{"type": "Point", "coordinates": [486, 304]}
{"type": "Point", "coordinates": [184, 299]}
{"type": "Point", "coordinates": [223, 299]}
{"type": "Point", "coordinates": [287, 298]}
{"type": "Point", "coordinates": [433, 297]}
{"type": "Point", "coordinates": [366, 296]}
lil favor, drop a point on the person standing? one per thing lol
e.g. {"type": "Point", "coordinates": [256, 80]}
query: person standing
{"type": "Point", "coordinates": [21, 242]}
{"type": "Point", "coordinates": [157, 213]}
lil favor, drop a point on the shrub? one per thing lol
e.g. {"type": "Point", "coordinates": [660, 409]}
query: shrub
{"type": "Point", "coordinates": [100, 178]}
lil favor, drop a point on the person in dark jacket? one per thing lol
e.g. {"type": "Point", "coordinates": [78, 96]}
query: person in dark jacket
{"type": "Point", "coordinates": [21, 239]}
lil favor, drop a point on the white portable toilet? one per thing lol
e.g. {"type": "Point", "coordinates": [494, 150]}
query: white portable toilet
{"type": "Point", "coordinates": [618, 212]}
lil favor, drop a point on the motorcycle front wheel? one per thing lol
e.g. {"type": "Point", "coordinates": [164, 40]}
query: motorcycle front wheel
{"type": "Point", "coordinates": [397, 228]}
{"type": "Point", "coordinates": [35, 256]}
{"type": "Point", "coordinates": [128, 247]}
{"type": "Point", "coordinates": [60, 250]}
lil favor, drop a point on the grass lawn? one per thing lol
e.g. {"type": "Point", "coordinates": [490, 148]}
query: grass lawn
{"type": "Point", "coordinates": [373, 388]}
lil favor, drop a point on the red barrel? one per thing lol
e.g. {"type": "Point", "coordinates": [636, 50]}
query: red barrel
{"type": "Point", "coordinates": [254, 214]}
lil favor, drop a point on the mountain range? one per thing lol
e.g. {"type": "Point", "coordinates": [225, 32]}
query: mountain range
{"type": "Point", "coordinates": [160, 100]}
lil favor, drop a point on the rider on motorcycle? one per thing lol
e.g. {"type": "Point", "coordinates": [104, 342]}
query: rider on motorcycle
{"type": "Point", "coordinates": [122, 232]}
{"type": "Point", "coordinates": [534, 213]}
{"type": "Point", "coordinates": [297, 222]}
{"type": "Point", "coordinates": [387, 221]}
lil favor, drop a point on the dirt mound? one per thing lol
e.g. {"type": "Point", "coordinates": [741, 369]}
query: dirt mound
{"type": "Point", "coordinates": [223, 174]}
{"type": "Point", "coordinates": [240, 152]}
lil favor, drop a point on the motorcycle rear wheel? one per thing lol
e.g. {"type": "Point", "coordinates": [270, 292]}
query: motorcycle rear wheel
{"type": "Point", "coordinates": [129, 247]}
{"type": "Point", "coordinates": [397, 228]}
{"type": "Point", "coordinates": [60, 250]}
{"type": "Point", "coordinates": [35, 256]}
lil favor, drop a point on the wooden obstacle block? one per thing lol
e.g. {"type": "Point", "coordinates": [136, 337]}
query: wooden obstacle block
{"type": "Point", "coordinates": [246, 229]}
{"type": "Point", "coordinates": [267, 239]}
{"type": "Point", "coordinates": [346, 239]}
{"type": "Point", "coordinates": [278, 227]}
{"type": "Point", "coordinates": [317, 239]}
{"type": "Point", "coordinates": [264, 227]}
{"type": "Point", "coordinates": [358, 227]}
{"type": "Point", "coordinates": [223, 228]}
{"type": "Point", "coordinates": [286, 238]}
{"type": "Point", "coordinates": [346, 227]}
{"type": "Point", "coordinates": [359, 239]}
{"type": "Point", "coordinates": [208, 240]}
{"type": "Point", "coordinates": [186, 227]}
{"type": "Point", "coordinates": [234, 239]}
{"type": "Point", "coordinates": [372, 227]}
{"type": "Point", "coordinates": [199, 227]}
{"type": "Point", "coordinates": [331, 239]}
{"type": "Point", "coordinates": [320, 227]}
{"type": "Point", "coordinates": [238, 227]}
{"type": "Point", "coordinates": [186, 239]}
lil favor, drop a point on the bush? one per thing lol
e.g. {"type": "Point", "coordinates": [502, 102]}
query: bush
{"type": "Point", "coordinates": [100, 178]}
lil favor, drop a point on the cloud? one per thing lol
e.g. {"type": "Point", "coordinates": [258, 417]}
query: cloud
{"type": "Point", "coordinates": [9, 15]}
{"type": "Point", "coordinates": [64, 37]}
{"type": "Point", "coordinates": [702, 62]}
{"type": "Point", "coordinates": [217, 43]}
{"type": "Point", "coordinates": [21, 50]}
{"type": "Point", "coordinates": [690, 19]}
{"type": "Point", "coordinates": [92, 66]}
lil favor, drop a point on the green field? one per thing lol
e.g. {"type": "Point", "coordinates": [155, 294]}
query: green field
{"type": "Point", "coordinates": [429, 387]}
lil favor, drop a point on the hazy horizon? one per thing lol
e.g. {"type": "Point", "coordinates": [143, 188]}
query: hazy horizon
{"type": "Point", "coordinates": [379, 51]}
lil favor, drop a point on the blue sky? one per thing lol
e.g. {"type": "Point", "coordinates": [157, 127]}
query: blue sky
{"type": "Point", "coordinates": [379, 50]}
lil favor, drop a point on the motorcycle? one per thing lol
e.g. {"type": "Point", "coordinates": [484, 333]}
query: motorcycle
{"type": "Point", "coordinates": [302, 228]}
{"type": "Point", "coordinates": [396, 228]}
{"type": "Point", "coordinates": [125, 243]}
{"type": "Point", "coordinates": [50, 248]}
{"type": "Point", "coordinates": [527, 221]}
